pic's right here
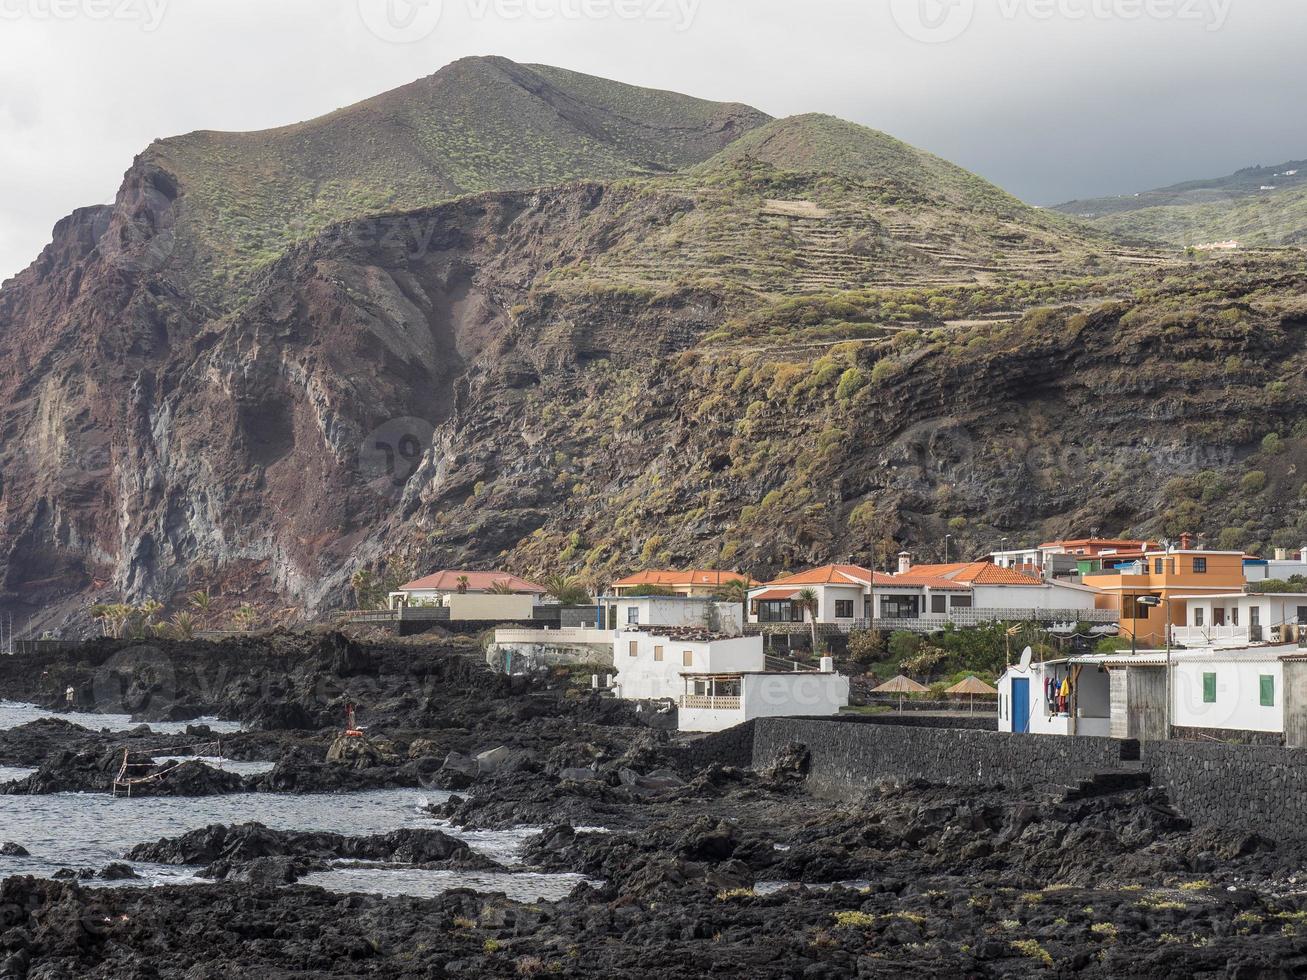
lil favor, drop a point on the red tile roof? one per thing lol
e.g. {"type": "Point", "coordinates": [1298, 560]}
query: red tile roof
{"type": "Point", "coordinates": [686, 577]}
{"type": "Point", "coordinates": [970, 573]}
{"type": "Point", "coordinates": [773, 595]}
{"type": "Point", "coordinates": [448, 581]}
{"type": "Point", "coordinates": [833, 575]}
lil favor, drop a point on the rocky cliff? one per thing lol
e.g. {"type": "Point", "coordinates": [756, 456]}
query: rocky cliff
{"type": "Point", "coordinates": [747, 361]}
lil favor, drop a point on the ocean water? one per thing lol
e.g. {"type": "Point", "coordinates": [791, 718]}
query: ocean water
{"type": "Point", "coordinates": [90, 830]}
{"type": "Point", "coordinates": [13, 714]}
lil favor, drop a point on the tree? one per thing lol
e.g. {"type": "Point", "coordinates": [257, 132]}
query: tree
{"type": "Point", "coordinates": [100, 613]}
{"type": "Point", "coordinates": [182, 626]}
{"type": "Point", "coordinates": [366, 589]}
{"type": "Point", "coordinates": [463, 583]}
{"type": "Point", "coordinates": [245, 617]}
{"type": "Point", "coordinates": [202, 602]}
{"type": "Point", "coordinates": [149, 615]}
{"type": "Point", "coordinates": [807, 601]}
{"type": "Point", "coordinates": [567, 589]}
{"type": "Point", "coordinates": [502, 588]}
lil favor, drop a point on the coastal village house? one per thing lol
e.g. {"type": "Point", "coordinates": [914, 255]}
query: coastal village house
{"type": "Point", "coordinates": [718, 681]}
{"type": "Point", "coordinates": [1072, 559]}
{"type": "Point", "coordinates": [472, 595]}
{"type": "Point", "coordinates": [1239, 618]}
{"type": "Point", "coordinates": [921, 598]}
{"type": "Point", "coordinates": [1174, 577]}
{"type": "Point", "coordinates": [1248, 694]}
{"type": "Point", "coordinates": [698, 582]}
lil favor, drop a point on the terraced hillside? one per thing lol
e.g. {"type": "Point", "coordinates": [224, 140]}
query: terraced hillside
{"type": "Point", "coordinates": [1256, 207]}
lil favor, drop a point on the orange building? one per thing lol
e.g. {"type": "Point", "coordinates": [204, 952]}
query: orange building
{"type": "Point", "coordinates": [1165, 575]}
{"type": "Point", "coordinates": [694, 582]}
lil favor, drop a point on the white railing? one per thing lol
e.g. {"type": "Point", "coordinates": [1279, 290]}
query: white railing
{"type": "Point", "coordinates": [933, 622]}
{"type": "Point", "coordinates": [1205, 635]}
{"type": "Point", "coordinates": [705, 703]}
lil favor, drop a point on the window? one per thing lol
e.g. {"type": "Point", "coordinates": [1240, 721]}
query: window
{"type": "Point", "coordinates": [1254, 615]}
{"type": "Point", "coordinates": [1268, 691]}
{"type": "Point", "coordinates": [1209, 689]}
{"type": "Point", "coordinates": [1200, 566]}
{"type": "Point", "coordinates": [1198, 615]}
{"type": "Point", "coordinates": [779, 612]}
{"type": "Point", "coordinates": [1234, 616]}
{"type": "Point", "coordinates": [635, 648]}
{"type": "Point", "coordinates": [843, 608]}
{"type": "Point", "coordinates": [633, 615]}
{"type": "Point", "coordinates": [962, 602]}
{"type": "Point", "coordinates": [1158, 564]}
{"type": "Point", "coordinates": [939, 604]}
{"type": "Point", "coordinates": [658, 654]}
{"type": "Point", "coordinates": [1170, 566]}
{"type": "Point", "coordinates": [687, 658]}
{"type": "Point", "coordinates": [900, 607]}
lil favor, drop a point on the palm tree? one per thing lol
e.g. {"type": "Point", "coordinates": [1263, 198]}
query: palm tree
{"type": "Point", "coordinates": [365, 589]}
{"type": "Point", "coordinates": [245, 617]}
{"type": "Point", "coordinates": [567, 589]}
{"type": "Point", "coordinates": [807, 601]}
{"type": "Point", "coordinates": [202, 602]}
{"type": "Point", "coordinates": [100, 614]}
{"type": "Point", "coordinates": [502, 588]}
{"type": "Point", "coordinates": [149, 611]}
{"type": "Point", "coordinates": [463, 583]}
{"type": "Point", "coordinates": [182, 626]}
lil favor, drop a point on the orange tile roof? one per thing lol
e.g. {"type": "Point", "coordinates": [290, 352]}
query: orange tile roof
{"type": "Point", "coordinates": [448, 581]}
{"type": "Point", "coordinates": [1119, 543]}
{"type": "Point", "coordinates": [833, 575]}
{"type": "Point", "coordinates": [971, 573]}
{"type": "Point", "coordinates": [772, 595]}
{"type": "Point", "coordinates": [691, 576]}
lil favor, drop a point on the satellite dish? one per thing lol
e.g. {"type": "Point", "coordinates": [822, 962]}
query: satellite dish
{"type": "Point", "coordinates": [1027, 655]}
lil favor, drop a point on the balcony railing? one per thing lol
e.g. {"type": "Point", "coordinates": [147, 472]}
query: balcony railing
{"type": "Point", "coordinates": [1207, 635]}
{"type": "Point", "coordinates": [705, 703]}
{"type": "Point", "coordinates": [933, 622]}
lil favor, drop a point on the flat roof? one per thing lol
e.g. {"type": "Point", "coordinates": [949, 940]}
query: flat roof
{"type": "Point", "coordinates": [1246, 595]}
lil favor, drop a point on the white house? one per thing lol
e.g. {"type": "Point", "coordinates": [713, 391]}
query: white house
{"type": "Point", "coordinates": [1217, 692]}
{"type": "Point", "coordinates": [923, 598]}
{"type": "Point", "coordinates": [617, 612]}
{"type": "Point", "coordinates": [472, 595]}
{"type": "Point", "coordinates": [718, 681]}
{"type": "Point", "coordinates": [1239, 618]}
{"type": "Point", "coordinates": [1285, 565]}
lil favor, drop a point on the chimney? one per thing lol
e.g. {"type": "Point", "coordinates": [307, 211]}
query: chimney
{"type": "Point", "coordinates": [1281, 554]}
{"type": "Point", "coordinates": [1186, 541]}
{"type": "Point", "coordinates": [905, 562]}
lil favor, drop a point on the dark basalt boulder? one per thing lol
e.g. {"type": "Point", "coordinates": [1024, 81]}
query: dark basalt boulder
{"type": "Point", "coordinates": [13, 850]}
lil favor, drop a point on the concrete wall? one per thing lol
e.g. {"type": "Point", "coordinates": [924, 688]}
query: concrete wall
{"type": "Point", "coordinates": [847, 756]}
{"type": "Point", "coordinates": [1295, 703]}
{"type": "Point", "coordinates": [721, 617]}
{"type": "Point", "coordinates": [1032, 597]}
{"type": "Point", "coordinates": [490, 608]}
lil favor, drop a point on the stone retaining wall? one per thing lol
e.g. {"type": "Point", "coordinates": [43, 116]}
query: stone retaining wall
{"type": "Point", "coordinates": [848, 757]}
{"type": "Point", "coordinates": [1248, 787]}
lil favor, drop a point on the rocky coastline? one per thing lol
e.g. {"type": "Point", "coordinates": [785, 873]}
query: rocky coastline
{"type": "Point", "coordinates": [692, 868]}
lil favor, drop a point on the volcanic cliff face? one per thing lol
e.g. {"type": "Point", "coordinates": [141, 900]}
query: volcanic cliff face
{"type": "Point", "coordinates": [745, 361]}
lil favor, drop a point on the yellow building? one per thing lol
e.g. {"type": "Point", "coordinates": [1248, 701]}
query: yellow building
{"type": "Point", "coordinates": [1165, 575]}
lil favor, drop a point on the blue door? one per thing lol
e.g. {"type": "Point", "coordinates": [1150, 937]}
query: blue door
{"type": "Point", "coordinates": [1021, 704]}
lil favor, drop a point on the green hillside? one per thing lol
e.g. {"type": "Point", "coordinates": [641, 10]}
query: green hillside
{"type": "Point", "coordinates": [479, 124]}
{"type": "Point", "coordinates": [1256, 206]}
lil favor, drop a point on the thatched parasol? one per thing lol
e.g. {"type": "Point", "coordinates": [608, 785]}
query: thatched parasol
{"type": "Point", "coordinates": [971, 687]}
{"type": "Point", "coordinates": [901, 686]}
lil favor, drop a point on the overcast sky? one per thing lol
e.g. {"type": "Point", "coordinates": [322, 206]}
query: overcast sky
{"type": "Point", "coordinates": [1052, 99]}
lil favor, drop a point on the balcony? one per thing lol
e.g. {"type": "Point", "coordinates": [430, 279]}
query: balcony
{"type": "Point", "coordinates": [1205, 636]}
{"type": "Point", "coordinates": [701, 702]}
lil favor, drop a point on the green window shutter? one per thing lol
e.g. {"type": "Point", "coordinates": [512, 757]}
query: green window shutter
{"type": "Point", "coordinates": [1268, 691]}
{"type": "Point", "coordinates": [1209, 689]}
